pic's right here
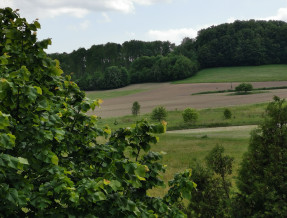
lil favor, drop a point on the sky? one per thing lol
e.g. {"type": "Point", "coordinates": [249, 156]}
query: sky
{"type": "Point", "coordinates": [74, 24]}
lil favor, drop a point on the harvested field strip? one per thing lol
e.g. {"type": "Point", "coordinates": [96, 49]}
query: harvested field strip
{"type": "Point", "coordinates": [179, 97]}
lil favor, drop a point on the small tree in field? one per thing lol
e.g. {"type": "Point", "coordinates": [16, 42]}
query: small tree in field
{"type": "Point", "coordinates": [244, 88]}
{"type": "Point", "coordinates": [159, 113]}
{"type": "Point", "coordinates": [227, 113]}
{"type": "Point", "coordinates": [190, 115]}
{"type": "Point", "coordinates": [136, 108]}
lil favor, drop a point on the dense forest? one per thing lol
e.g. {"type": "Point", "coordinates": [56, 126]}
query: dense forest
{"type": "Point", "coordinates": [232, 44]}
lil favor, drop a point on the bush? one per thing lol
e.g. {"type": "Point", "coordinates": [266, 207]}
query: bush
{"type": "Point", "coordinates": [227, 113]}
{"type": "Point", "coordinates": [136, 108]}
{"type": "Point", "coordinates": [51, 161]}
{"type": "Point", "coordinates": [190, 115]}
{"type": "Point", "coordinates": [244, 87]}
{"type": "Point", "coordinates": [159, 113]}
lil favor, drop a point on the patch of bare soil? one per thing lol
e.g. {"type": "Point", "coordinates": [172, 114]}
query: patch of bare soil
{"type": "Point", "coordinates": [178, 96]}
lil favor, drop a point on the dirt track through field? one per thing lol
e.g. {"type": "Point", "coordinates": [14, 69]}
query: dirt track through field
{"type": "Point", "coordinates": [178, 96]}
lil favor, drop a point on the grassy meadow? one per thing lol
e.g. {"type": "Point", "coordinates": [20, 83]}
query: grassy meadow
{"type": "Point", "coordinates": [262, 73]}
{"type": "Point", "coordinates": [182, 150]}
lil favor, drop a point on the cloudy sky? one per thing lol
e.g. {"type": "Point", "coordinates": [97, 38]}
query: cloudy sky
{"type": "Point", "coordinates": [82, 23]}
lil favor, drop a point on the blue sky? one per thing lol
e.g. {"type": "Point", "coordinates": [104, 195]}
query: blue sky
{"type": "Point", "coordinates": [82, 23]}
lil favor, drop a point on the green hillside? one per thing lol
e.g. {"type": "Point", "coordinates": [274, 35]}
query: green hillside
{"type": "Point", "coordinates": [261, 73]}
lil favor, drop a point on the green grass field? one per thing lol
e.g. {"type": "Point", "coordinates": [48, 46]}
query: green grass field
{"type": "Point", "coordinates": [182, 150]}
{"type": "Point", "coordinates": [241, 115]}
{"type": "Point", "coordinates": [239, 74]}
{"type": "Point", "coordinates": [111, 93]}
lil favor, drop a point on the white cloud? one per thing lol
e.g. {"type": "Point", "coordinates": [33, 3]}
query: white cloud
{"type": "Point", "coordinates": [150, 2]}
{"type": "Point", "coordinates": [77, 8]}
{"type": "Point", "coordinates": [76, 12]}
{"type": "Point", "coordinates": [281, 15]}
{"type": "Point", "coordinates": [172, 35]}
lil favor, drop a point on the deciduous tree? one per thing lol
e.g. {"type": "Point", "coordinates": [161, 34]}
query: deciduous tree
{"type": "Point", "coordinates": [51, 163]}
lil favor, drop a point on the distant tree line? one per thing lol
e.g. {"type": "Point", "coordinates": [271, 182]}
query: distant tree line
{"type": "Point", "coordinates": [115, 65]}
{"type": "Point", "coordinates": [243, 43]}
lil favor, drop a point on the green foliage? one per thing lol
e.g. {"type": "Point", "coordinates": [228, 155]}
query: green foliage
{"type": "Point", "coordinates": [262, 177]}
{"type": "Point", "coordinates": [208, 200]}
{"type": "Point", "coordinates": [190, 115]}
{"type": "Point", "coordinates": [244, 88]}
{"type": "Point", "coordinates": [211, 199]}
{"type": "Point", "coordinates": [162, 68]}
{"type": "Point", "coordinates": [159, 113]}
{"type": "Point", "coordinates": [242, 43]}
{"type": "Point", "coordinates": [227, 113]}
{"type": "Point", "coordinates": [136, 108]}
{"type": "Point", "coordinates": [52, 160]}
{"type": "Point", "coordinates": [114, 77]}
{"type": "Point", "coordinates": [221, 165]}
{"type": "Point", "coordinates": [90, 66]}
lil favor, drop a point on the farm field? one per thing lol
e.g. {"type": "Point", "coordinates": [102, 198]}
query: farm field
{"type": "Point", "coordinates": [192, 142]}
{"type": "Point", "coordinates": [179, 97]}
{"type": "Point", "coordinates": [239, 74]}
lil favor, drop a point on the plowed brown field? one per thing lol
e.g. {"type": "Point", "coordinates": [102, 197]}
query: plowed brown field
{"type": "Point", "coordinates": [178, 96]}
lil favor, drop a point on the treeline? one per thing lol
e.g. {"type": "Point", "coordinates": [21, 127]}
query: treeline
{"type": "Point", "coordinates": [237, 44]}
{"type": "Point", "coordinates": [114, 65]}
{"type": "Point", "coordinates": [243, 43]}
